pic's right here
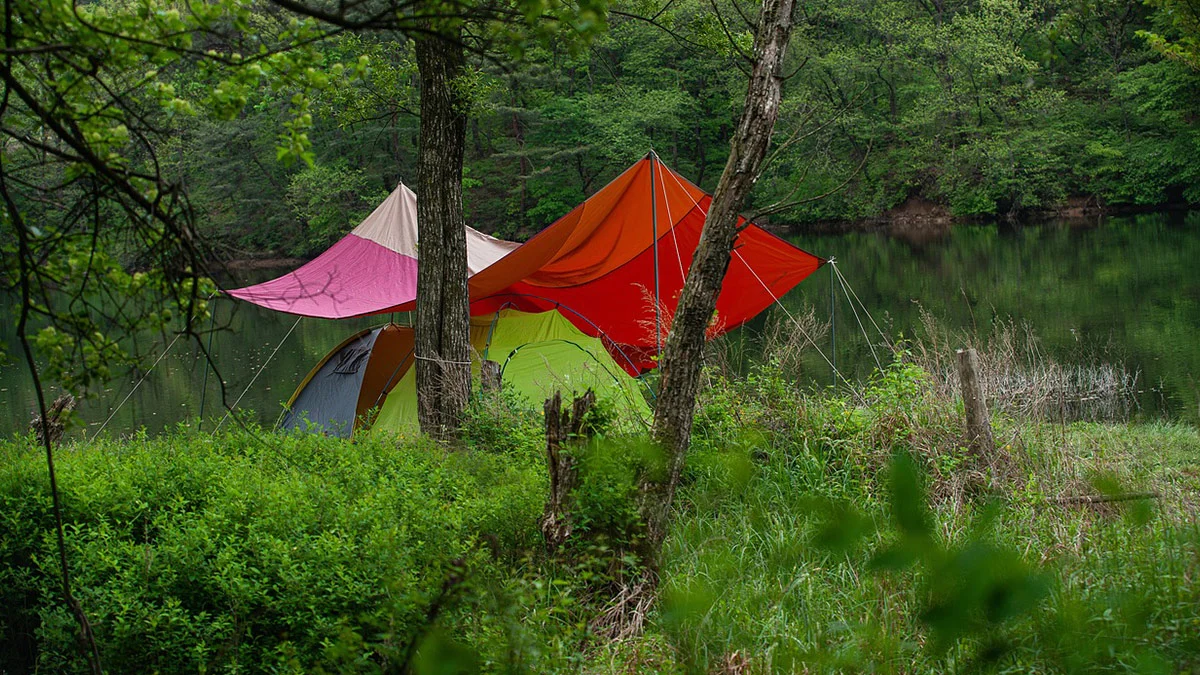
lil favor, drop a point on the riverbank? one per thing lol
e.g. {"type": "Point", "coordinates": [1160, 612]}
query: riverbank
{"type": "Point", "coordinates": [920, 220]}
{"type": "Point", "coordinates": [799, 544]}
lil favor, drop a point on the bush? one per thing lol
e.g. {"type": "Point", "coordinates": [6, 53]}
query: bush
{"type": "Point", "coordinates": [330, 200]}
{"type": "Point", "coordinates": [233, 554]}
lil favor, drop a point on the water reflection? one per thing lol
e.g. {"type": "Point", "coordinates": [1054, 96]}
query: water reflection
{"type": "Point", "coordinates": [1124, 290]}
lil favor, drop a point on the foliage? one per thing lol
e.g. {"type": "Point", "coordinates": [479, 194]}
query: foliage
{"type": "Point", "coordinates": [984, 107]}
{"type": "Point", "coordinates": [799, 543]}
{"type": "Point", "coordinates": [101, 242]}
{"type": "Point", "coordinates": [1177, 35]}
{"type": "Point", "coordinates": [330, 200]}
{"type": "Point", "coordinates": [225, 554]}
{"type": "Point", "coordinates": [503, 422]}
{"type": "Point", "coordinates": [981, 107]}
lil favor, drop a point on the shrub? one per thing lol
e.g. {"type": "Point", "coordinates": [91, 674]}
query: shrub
{"type": "Point", "coordinates": [232, 554]}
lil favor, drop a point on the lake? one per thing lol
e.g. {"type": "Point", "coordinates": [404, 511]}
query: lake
{"type": "Point", "coordinates": [1119, 289]}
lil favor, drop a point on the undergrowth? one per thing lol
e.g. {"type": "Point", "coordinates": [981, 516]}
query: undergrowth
{"type": "Point", "coordinates": [832, 531]}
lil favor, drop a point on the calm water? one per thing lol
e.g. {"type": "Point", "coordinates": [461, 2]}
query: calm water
{"type": "Point", "coordinates": [1125, 289]}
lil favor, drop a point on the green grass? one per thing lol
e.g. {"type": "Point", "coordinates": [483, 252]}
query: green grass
{"type": "Point", "coordinates": [747, 556]}
{"type": "Point", "coordinates": [798, 545]}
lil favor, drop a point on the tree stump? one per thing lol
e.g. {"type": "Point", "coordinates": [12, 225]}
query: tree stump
{"type": "Point", "coordinates": [979, 425]}
{"type": "Point", "coordinates": [55, 425]}
{"type": "Point", "coordinates": [562, 426]}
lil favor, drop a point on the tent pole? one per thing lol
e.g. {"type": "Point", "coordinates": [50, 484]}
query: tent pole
{"type": "Point", "coordinates": [212, 317]}
{"type": "Point", "coordinates": [654, 224]}
{"type": "Point", "coordinates": [832, 325]}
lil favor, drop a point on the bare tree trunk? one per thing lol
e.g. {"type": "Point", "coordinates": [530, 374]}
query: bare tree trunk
{"type": "Point", "coordinates": [683, 357]}
{"type": "Point", "coordinates": [442, 320]}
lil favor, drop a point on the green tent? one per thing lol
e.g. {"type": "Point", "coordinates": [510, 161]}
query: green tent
{"type": "Point", "coordinates": [369, 379]}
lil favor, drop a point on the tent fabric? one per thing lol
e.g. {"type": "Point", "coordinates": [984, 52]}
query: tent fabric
{"type": "Point", "coordinates": [371, 372]}
{"type": "Point", "coordinates": [620, 306]}
{"type": "Point", "coordinates": [349, 384]}
{"type": "Point", "coordinates": [604, 265]}
{"type": "Point", "coordinates": [369, 270]}
{"type": "Point", "coordinates": [327, 398]}
{"type": "Point", "coordinates": [538, 353]}
{"type": "Point", "coordinates": [597, 265]}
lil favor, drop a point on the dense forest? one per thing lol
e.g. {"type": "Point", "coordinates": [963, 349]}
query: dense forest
{"type": "Point", "coordinates": [990, 108]}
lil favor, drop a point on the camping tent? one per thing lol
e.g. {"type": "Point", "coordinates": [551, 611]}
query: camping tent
{"type": "Point", "coordinates": [615, 265]}
{"type": "Point", "coordinates": [369, 270]}
{"type": "Point", "coordinates": [612, 269]}
{"type": "Point", "coordinates": [369, 379]}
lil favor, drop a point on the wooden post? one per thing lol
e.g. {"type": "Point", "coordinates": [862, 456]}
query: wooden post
{"type": "Point", "coordinates": [979, 425]}
{"type": "Point", "coordinates": [489, 376]}
{"type": "Point", "coordinates": [561, 426]}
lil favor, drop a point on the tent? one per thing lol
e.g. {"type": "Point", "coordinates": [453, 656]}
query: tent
{"type": "Point", "coordinates": [368, 380]}
{"type": "Point", "coordinates": [612, 269]}
{"type": "Point", "coordinates": [615, 265]}
{"type": "Point", "coordinates": [351, 381]}
{"type": "Point", "coordinates": [369, 270]}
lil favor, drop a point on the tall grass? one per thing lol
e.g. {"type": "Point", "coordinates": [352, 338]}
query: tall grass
{"type": "Point", "coordinates": [759, 573]}
{"type": "Point", "coordinates": [1021, 379]}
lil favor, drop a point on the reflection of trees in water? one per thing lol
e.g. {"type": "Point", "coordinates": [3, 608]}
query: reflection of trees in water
{"type": "Point", "coordinates": [1124, 293]}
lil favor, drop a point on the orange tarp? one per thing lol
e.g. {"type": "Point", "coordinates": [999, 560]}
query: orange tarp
{"type": "Point", "coordinates": [597, 264]}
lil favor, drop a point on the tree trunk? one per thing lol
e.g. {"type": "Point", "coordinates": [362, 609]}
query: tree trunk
{"type": "Point", "coordinates": [683, 356]}
{"type": "Point", "coordinates": [442, 318]}
{"type": "Point", "coordinates": [490, 376]}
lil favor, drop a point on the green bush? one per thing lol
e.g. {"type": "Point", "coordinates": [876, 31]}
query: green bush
{"type": "Point", "coordinates": [504, 423]}
{"type": "Point", "coordinates": [230, 554]}
{"type": "Point", "coordinates": [330, 199]}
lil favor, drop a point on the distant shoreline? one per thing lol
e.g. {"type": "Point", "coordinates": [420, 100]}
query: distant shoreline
{"type": "Point", "coordinates": [918, 217]}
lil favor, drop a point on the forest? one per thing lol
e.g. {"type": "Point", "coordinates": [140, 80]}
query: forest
{"type": "Point", "coordinates": [594, 426]}
{"type": "Point", "coordinates": [966, 109]}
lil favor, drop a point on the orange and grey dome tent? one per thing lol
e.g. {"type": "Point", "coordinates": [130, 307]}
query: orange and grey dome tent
{"type": "Point", "coordinates": [368, 380]}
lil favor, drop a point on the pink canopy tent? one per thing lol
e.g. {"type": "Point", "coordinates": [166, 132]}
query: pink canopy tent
{"type": "Point", "coordinates": [371, 269]}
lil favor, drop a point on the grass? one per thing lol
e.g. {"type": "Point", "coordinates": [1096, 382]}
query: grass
{"type": "Point", "coordinates": [799, 545]}
{"type": "Point", "coordinates": [766, 590]}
